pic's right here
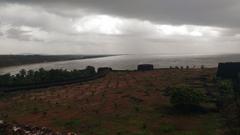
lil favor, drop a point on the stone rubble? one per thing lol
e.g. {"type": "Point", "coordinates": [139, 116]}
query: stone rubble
{"type": "Point", "coordinates": [16, 129]}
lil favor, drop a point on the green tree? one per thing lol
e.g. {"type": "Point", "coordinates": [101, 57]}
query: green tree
{"type": "Point", "coordinates": [23, 73]}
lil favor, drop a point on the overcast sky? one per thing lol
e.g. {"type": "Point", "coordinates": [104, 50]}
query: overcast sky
{"type": "Point", "coordinates": [119, 26]}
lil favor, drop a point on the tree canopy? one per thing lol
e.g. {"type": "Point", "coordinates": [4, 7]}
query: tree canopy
{"type": "Point", "coordinates": [43, 76]}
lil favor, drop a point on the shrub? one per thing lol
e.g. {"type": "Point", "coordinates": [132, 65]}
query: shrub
{"type": "Point", "coordinates": [186, 98]}
{"type": "Point", "coordinates": [225, 93]}
{"type": "Point", "coordinates": [229, 107]}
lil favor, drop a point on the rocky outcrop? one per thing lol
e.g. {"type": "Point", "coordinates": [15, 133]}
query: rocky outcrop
{"type": "Point", "coordinates": [228, 70]}
{"type": "Point", "coordinates": [16, 129]}
{"type": "Point", "coordinates": [103, 70]}
{"type": "Point", "coordinates": [145, 67]}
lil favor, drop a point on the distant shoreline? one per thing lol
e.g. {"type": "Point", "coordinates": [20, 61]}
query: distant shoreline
{"type": "Point", "coordinates": [120, 62]}
{"type": "Point", "coordinates": [19, 60]}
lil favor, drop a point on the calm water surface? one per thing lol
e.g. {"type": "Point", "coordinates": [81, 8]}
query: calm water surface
{"type": "Point", "coordinates": [130, 62]}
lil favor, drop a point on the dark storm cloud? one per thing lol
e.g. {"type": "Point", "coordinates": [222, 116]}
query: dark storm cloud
{"type": "Point", "coordinates": [223, 13]}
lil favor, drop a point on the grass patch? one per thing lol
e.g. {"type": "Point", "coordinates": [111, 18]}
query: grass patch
{"type": "Point", "coordinates": [210, 125]}
{"type": "Point", "coordinates": [99, 131]}
{"type": "Point", "coordinates": [4, 96]}
{"type": "Point", "coordinates": [167, 128]}
{"type": "Point", "coordinates": [143, 132]}
{"type": "Point", "coordinates": [71, 124]}
{"type": "Point", "coordinates": [187, 133]}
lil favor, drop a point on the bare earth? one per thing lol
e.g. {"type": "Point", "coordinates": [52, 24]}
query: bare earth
{"type": "Point", "coordinates": [122, 103]}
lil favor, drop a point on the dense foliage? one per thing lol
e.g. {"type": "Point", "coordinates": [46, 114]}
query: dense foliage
{"type": "Point", "coordinates": [225, 94]}
{"type": "Point", "coordinates": [43, 76]}
{"type": "Point", "coordinates": [185, 98]}
{"type": "Point", "coordinates": [228, 103]}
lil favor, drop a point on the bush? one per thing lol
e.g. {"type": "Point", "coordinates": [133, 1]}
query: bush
{"type": "Point", "coordinates": [225, 93]}
{"type": "Point", "coordinates": [186, 98]}
{"type": "Point", "coordinates": [229, 107]}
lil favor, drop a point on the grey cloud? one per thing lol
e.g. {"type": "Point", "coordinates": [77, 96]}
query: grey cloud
{"type": "Point", "coordinates": [223, 13]}
{"type": "Point", "coordinates": [54, 19]}
{"type": "Point", "coordinates": [34, 16]}
{"type": "Point", "coordinates": [17, 34]}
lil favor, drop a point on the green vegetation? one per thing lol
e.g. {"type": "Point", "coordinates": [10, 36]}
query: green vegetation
{"type": "Point", "coordinates": [72, 124]}
{"type": "Point", "coordinates": [186, 98]}
{"type": "Point", "coordinates": [225, 93]}
{"type": "Point", "coordinates": [167, 128]}
{"type": "Point", "coordinates": [228, 103]}
{"type": "Point", "coordinates": [25, 78]}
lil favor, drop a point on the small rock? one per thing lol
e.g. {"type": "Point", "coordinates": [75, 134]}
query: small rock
{"type": "Point", "coordinates": [1, 122]}
{"type": "Point", "coordinates": [15, 129]}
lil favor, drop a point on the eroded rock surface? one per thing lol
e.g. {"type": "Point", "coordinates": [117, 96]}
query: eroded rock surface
{"type": "Point", "coordinates": [15, 129]}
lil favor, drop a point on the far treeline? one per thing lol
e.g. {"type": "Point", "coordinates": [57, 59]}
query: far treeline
{"type": "Point", "coordinates": [14, 60]}
{"type": "Point", "coordinates": [42, 76]}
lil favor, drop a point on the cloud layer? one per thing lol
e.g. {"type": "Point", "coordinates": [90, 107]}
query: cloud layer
{"type": "Point", "coordinates": [124, 26]}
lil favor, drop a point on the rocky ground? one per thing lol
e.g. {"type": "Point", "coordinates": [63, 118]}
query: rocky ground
{"type": "Point", "coordinates": [16, 129]}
